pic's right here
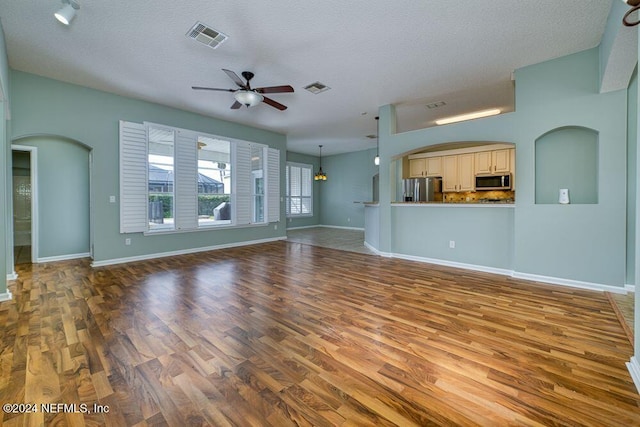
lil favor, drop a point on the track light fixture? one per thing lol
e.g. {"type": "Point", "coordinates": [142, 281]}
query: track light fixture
{"type": "Point", "coordinates": [67, 12]}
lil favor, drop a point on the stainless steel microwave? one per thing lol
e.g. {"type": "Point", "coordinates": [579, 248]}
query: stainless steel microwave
{"type": "Point", "coordinates": [493, 182]}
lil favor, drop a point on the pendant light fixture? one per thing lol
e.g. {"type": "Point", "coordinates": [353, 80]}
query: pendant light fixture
{"type": "Point", "coordinates": [320, 175]}
{"type": "Point", "coordinates": [376, 160]}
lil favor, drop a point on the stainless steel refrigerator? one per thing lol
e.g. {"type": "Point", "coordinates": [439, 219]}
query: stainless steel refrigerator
{"type": "Point", "coordinates": [421, 189]}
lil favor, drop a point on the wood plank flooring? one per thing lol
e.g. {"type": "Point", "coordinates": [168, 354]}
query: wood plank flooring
{"type": "Point", "coordinates": [287, 334]}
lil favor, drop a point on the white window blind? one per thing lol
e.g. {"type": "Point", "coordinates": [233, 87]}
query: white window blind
{"type": "Point", "coordinates": [273, 185]}
{"type": "Point", "coordinates": [133, 177]}
{"type": "Point", "coordinates": [242, 183]}
{"type": "Point", "coordinates": [299, 195]}
{"type": "Point", "coordinates": [186, 180]}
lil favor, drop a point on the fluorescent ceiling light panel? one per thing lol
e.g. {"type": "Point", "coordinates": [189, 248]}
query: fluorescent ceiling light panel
{"type": "Point", "coordinates": [469, 116]}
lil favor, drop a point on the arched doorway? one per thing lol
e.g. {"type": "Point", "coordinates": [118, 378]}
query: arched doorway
{"type": "Point", "coordinates": [61, 204]}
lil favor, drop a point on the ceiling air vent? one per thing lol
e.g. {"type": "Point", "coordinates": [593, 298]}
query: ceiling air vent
{"type": "Point", "coordinates": [206, 35]}
{"type": "Point", "coordinates": [317, 87]}
{"type": "Point", "coordinates": [436, 104]}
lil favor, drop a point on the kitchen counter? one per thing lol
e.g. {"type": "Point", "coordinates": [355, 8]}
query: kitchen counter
{"type": "Point", "coordinates": [455, 205]}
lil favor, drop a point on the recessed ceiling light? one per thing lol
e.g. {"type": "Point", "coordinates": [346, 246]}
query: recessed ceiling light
{"type": "Point", "coordinates": [317, 87]}
{"type": "Point", "coordinates": [469, 116]}
{"type": "Point", "coordinates": [206, 35]}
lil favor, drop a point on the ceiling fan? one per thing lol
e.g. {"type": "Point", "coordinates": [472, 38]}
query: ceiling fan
{"type": "Point", "coordinates": [250, 96]}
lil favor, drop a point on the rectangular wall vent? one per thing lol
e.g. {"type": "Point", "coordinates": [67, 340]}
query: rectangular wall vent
{"type": "Point", "coordinates": [206, 35]}
{"type": "Point", "coordinates": [317, 88]}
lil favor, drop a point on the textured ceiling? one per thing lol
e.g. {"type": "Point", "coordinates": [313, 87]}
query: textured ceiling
{"type": "Point", "coordinates": [370, 52]}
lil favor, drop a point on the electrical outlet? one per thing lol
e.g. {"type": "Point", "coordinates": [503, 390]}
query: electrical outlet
{"type": "Point", "coordinates": [127, 241]}
{"type": "Point", "coordinates": [348, 219]}
{"type": "Point", "coordinates": [275, 226]}
{"type": "Point", "coordinates": [452, 244]}
{"type": "Point", "coordinates": [112, 199]}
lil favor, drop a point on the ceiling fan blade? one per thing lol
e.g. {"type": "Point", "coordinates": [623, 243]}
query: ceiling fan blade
{"type": "Point", "coordinates": [237, 80]}
{"type": "Point", "coordinates": [236, 105]}
{"type": "Point", "coordinates": [274, 104]}
{"type": "Point", "coordinates": [274, 89]}
{"type": "Point", "coordinates": [212, 88]}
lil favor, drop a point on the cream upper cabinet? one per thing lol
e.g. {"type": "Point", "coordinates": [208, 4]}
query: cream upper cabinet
{"type": "Point", "coordinates": [501, 161]}
{"type": "Point", "coordinates": [434, 166]}
{"type": "Point", "coordinates": [458, 172]}
{"type": "Point", "coordinates": [490, 162]}
{"type": "Point", "coordinates": [425, 166]}
{"type": "Point", "coordinates": [449, 173]}
{"type": "Point", "coordinates": [483, 162]}
{"type": "Point", "coordinates": [417, 167]}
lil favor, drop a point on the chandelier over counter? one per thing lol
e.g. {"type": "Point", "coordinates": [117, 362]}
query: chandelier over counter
{"type": "Point", "coordinates": [320, 175]}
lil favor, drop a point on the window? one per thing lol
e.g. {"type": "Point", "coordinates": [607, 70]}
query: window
{"type": "Point", "coordinates": [160, 179]}
{"type": "Point", "coordinates": [299, 197]}
{"type": "Point", "coordinates": [214, 181]}
{"type": "Point", "coordinates": [257, 182]}
{"type": "Point", "coordinates": [179, 180]}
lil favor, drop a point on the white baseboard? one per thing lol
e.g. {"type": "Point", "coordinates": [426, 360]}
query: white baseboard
{"type": "Point", "coordinates": [377, 252]}
{"type": "Point", "coordinates": [342, 228]}
{"type": "Point", "coordinates": [571, 283]}
{"type": "Point", "coordinates": [303, 227]}
{"type": "Point", "coordinates": [6, 296]}
{"type": "Point", "coordinates": [455, 264]}
{"type": "Point", "coordinates": [181, 252]}
{"type": "Point", "coordinates": [634, 369]}
{"type": "Point", "coordinates": [63, 257]}
{"type": "Point", "coordinates": [506, 272]}
{"type": "Point", "coordinates": [12, 276]}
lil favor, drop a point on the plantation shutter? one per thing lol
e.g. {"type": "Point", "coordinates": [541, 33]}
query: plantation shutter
{"type": "Point", "coordinates": [242, 181]}
{"type": "Point", "coordinates": [273, 185]}
{"type": "Point", "coordinates": [133, 177]}
{"type": "Point", "coordinates": [186, 180]}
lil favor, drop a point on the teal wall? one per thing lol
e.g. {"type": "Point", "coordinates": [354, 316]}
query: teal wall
{"type": "Point", "coordinates": [567, 158]}
{"type": "Point", "coordinates": [317, 186]}
{"type": "Point", "coordinates": [492, 228]}
{"type": "Point", "coordinates": [632, 188]}
{"type": "Point", "coordinates": [349, 180]}
{"type": "Point", "coordinates": [576, 242]}
{"type": "Point", "coordinates": [43, 106]}
{"type": "Point", "coordinates": [63, 196]}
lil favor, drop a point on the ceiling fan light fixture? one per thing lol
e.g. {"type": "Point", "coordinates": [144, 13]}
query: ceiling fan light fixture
{"type": "Point", "coordinates": [66, 14]}
{"type": "Point", "coordinates": [248, 98]}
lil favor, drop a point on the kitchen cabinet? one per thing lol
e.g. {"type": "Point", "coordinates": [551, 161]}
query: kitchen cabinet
{"type": "Point", "coordinates": [458, 172]}
{"type": "Point", "coordinates": [493, 162]}
{"type": "Point", "coordinates": [425, 167]}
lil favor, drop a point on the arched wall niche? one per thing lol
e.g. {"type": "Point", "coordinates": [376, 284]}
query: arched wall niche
{"type": "Point", "coordinates": [567, 158]}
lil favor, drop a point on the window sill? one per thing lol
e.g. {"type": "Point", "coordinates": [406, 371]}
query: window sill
{"type": "Point", "coordinates": [203, 228]}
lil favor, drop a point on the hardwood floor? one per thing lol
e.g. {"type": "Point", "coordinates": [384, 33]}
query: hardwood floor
{"type": "Point", "coordinates": [287, 334]}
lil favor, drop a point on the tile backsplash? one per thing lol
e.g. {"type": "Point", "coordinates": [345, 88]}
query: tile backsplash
{"type": "Point", "coordinates": [494, 196]}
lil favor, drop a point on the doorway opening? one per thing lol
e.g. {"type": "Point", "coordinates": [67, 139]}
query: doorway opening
{"type": "Point", "coordinates": [24, 199]}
